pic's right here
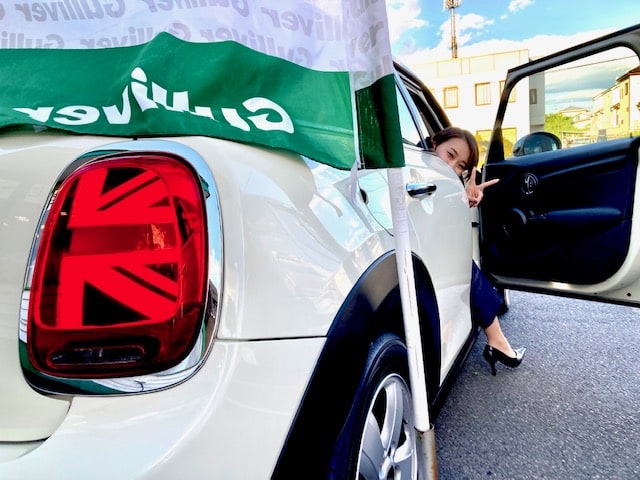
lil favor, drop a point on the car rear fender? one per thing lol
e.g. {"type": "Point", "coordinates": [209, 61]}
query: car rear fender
{"type": "Point", "coordinates": [372, 309]}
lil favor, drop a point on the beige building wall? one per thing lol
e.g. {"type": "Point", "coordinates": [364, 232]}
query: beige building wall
{"type": "Point", "coordinates": [634, 103]}
{"type": "Point", "coordinates": [476, 83]}
{"type": "Point", "coordinates": [616, 111]}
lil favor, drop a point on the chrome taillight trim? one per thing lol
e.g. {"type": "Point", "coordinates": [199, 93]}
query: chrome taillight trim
{"type": "Point", "coordinates": [190, 365]}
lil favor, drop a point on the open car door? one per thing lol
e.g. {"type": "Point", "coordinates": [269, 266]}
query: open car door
{"type": "Point", "coordinates": [564, 217]}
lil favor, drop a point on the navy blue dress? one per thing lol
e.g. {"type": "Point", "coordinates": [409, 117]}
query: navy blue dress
{"type": "Point", "coordinates": [486, 300]}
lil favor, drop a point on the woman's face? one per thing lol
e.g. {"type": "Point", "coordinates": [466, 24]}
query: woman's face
{"type": "Point", "coordinates": [455, 152]}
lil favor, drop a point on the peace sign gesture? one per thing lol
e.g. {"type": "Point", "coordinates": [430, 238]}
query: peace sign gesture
{"type": "Point", "coordinates": [475, 192]}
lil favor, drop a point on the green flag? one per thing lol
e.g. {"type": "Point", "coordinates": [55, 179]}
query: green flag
{"type": "Point", "coordinates": [315, 77]}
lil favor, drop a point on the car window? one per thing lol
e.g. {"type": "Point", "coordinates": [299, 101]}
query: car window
{"type": "Point", "coordinates": [594, 99]}
{"type": "Point", "coordinates": [421, 104]}
{"type": "Point", "coordinates": [410, 134]}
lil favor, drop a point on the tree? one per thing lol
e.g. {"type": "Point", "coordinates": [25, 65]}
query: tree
{"type": "Point", "coordinates": [557, 123]}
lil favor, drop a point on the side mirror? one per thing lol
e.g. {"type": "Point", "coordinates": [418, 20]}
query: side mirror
{"type": "Point", "coordinates": [536, 142]}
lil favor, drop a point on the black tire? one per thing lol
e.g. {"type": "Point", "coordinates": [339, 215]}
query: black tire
{"type": "Point", "coordinates": [378, 439]}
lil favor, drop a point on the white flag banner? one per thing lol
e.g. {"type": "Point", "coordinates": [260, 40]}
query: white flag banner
{"type": "Point", "coordinates": [287, 74]}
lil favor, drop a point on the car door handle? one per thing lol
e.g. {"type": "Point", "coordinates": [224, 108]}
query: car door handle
{"type": "Point", "coordinates": [421, 190]}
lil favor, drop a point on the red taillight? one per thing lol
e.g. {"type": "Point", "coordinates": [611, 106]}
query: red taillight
{"type": "Point", "coordinates": [119, 282]}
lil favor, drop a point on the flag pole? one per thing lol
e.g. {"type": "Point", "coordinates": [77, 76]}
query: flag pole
{"type": "Point", "coordinates": [381, 62]}
{"type": "Point", "coordinates": [425, 434]}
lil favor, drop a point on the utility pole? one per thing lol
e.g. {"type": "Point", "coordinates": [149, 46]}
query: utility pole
{"type": "Point", "coordinates": [452, 5]}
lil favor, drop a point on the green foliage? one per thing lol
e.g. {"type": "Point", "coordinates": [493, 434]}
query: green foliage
{"type": "Point", "coordinates": [557, 123]}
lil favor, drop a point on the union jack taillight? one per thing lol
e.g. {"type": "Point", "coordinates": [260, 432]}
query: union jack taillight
{"type": "Point", "coordinates": [119, 282]}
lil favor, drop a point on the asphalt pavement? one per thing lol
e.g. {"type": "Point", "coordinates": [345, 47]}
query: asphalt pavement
{"type": "Point", "coordinates": [570, 411]}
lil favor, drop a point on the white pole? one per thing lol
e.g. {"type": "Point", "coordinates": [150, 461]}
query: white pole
{"type": "Point", "coordinates": [427, 468]}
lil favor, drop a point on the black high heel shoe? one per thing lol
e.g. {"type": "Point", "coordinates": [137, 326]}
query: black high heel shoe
{"type": "Point", "coordinates": [493, 355]}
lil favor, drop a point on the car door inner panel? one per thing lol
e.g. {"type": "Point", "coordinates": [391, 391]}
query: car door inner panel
{"type": "Point", "coordinates": [561, 215]}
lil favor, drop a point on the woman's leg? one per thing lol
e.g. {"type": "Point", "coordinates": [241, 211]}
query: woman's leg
{"type": "Point", "coordinates": [486, 302]}
{"type": "Point", "coordinates": [496, 338]}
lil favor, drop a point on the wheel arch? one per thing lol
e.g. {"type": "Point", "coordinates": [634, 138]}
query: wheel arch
{"type": "Point", "coordinates": [372, 309]}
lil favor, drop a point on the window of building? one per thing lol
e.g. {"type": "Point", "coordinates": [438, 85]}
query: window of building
{"type": "Point", "coordinates": [483, 93]}
{"type": "Point", "coordinates": [451, 97]}
{"type": "Point", "coordinates": [533, 96]}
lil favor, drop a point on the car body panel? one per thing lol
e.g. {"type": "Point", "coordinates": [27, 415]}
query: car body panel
{"type": "Point", "coordinates": [446, 208]}
{"type": "Point", "coordinates": [245, 390]}
{"type": "Point", "coordinates": [282, 218]}
{"type": "Point", "coordinates": [26, 181]}
{"type": "Point", "coordinates": [441, 222]}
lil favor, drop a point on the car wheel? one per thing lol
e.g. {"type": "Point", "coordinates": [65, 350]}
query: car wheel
{"type": "Point", "coordinates": [378, 439]}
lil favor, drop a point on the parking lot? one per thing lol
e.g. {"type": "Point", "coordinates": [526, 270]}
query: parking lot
{"type": "Point", "coordinates": [570, 411]}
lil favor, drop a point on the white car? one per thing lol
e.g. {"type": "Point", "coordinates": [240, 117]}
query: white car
{"type": "Point", "coordinates": [191, 307]}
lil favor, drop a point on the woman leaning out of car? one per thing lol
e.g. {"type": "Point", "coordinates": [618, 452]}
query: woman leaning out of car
{"type": "Point", "coordinates": [458, 148]}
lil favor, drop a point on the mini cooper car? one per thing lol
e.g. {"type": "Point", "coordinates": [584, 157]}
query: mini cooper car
{"type": "Point", "coordinates": [286, 355]}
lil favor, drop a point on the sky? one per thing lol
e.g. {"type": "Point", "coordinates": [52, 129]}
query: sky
{"type": "Point", "coordinates": [420, 29]}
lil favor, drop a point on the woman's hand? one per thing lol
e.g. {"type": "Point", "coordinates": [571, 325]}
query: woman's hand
{"type": "Point", "coordinates": [475, 192]}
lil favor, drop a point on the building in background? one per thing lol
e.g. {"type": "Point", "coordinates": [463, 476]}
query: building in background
{"type": "Point", "coordinates": [616, 111]}
{"type": "Point", "coordinates": [469, 89]}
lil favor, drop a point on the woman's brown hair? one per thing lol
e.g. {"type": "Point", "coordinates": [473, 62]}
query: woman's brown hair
{"type": "Point", "coordinates": [456, 132]}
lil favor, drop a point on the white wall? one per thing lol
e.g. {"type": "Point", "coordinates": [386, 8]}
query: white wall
{"type": "Point", "coordinates": [465, 73]}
